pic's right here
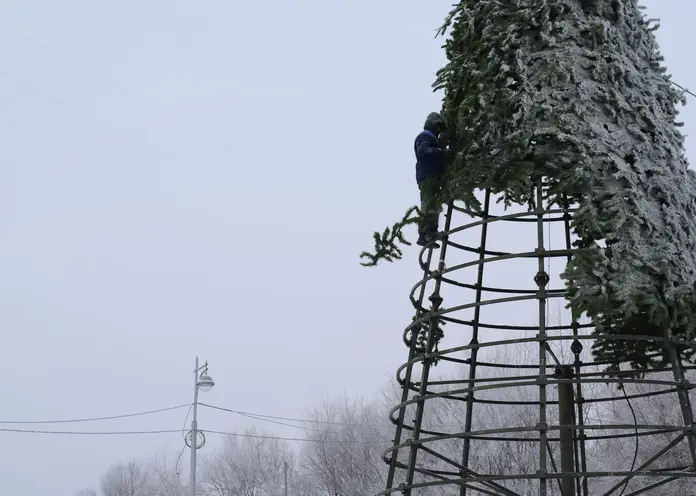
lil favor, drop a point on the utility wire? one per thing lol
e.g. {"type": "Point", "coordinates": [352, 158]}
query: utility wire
{"type": "Point", "coordinates": [300, 439]}
{"type": "Point", "coordinates": [274, 417]}
{"type": "Point", "coordinates": [93, 419]}
{"type": "Point", "coordinates": [183, 434]}
{"type": "Point", "coordinates": [636, 447]}
{"type": "Point", "coordinates": [633, 413]}
{"type": "Point", "coordinates": [256, 417]}
{"type": "Point", "coordinates": [84, 433]}
{"type": "Point", "coordinates": [178, 431]}
{"type": "Point", "coordinates": [265, 418]}
{"type": "Point", "coordinates": [262, 417]}
{"type": "Point", "coordinates": [685, 90]}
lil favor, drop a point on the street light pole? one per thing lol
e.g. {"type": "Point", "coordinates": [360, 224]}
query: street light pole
{"type": "Point", "coordinates": [194, 433]}
{"type": "Point", "coordinates": [205, 383]}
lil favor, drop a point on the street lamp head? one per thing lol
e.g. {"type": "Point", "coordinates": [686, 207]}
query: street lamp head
{"type": "Point", "coordinates": [205, 382]}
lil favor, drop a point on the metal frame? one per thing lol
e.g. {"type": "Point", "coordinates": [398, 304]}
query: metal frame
{"type": "Point", "coordinates": [415, 441]}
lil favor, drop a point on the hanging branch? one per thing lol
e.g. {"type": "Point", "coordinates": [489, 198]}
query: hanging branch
{"type": "Point", "coordinates": [386, 243]}
{"type": "Point", "coordinates": [422, 337]}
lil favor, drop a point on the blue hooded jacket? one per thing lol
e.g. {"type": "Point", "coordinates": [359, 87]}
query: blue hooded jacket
{"type": "Point", "coordinates": [429, 155]}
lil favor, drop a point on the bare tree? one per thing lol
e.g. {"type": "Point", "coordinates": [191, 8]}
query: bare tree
{"type": "Point", "coordinates": [86, 492]}
{"type": "Point", "coordinates": [126, 479]}
{"type": "Point", "coordinates": [252, 465]}
{"type": "Point", "coordinates": [166, 478]}
{"type": "Point", "coordinates": [660, 408]}
{"type": "Point", "coordinates": [343, 457]}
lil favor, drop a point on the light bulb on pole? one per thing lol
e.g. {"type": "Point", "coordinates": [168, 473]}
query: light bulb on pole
{"type": "Point", "coordinates": [205, 383]}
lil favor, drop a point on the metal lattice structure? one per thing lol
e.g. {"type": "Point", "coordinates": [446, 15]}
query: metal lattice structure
{"type": "Point", "coordinates": [510, 401]}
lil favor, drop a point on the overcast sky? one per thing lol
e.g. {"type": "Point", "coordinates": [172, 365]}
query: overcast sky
{"type": "Point", "coordinates": [198, 178]}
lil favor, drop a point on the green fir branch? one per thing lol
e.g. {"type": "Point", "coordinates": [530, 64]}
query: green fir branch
{"type": "Point", "coordinates": [386, 242]}
{"type": "Point", "coordinates": [422, 331]}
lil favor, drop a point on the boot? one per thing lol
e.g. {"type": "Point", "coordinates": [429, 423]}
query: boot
{"type": "Point", "coordinates": [434, 236]}
{"type": "Point", "coordinates": [428, 239]}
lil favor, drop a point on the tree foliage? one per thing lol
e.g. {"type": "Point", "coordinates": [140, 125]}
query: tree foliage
{"type": "Point", "coordinates": [575, 92]}
{"type": "Point", "coordinates": [126, 479]}
{"type": "Point", "coordinates": [249, 466]}
{"type": "Point", "coordinates": [387, 242]}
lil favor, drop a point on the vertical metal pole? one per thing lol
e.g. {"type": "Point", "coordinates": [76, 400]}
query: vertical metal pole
{"type": "Point", "coordinates": [541, 279]}
{"type": "Point", "coordinates": [194, 433]}
{"type": "Point", "coordinates": [566, 406]}
{"type": "Point", "coordinates": [405, 389]}
{"type": "Point", "coordinates": [286, 477]}
{"type": "Point", "coordinates": [576, 347]}
{"type": "Point", "coordinates": [682, 391]}
{"type": "Point", "coordinates": [436, 300]}
{"type": "Point", "coordinates": [474, 340]}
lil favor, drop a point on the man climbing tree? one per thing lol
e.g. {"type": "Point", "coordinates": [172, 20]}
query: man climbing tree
{"type": "Point", "coordinates": [430, 165]}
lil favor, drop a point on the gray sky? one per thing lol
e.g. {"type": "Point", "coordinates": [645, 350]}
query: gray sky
{"type": "Point", "coordinates": [183, 178]}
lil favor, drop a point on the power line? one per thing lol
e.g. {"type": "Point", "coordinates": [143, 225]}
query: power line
{"type": "Point", "coordinates": [685, 90]}
{"type": "Point", "coordinates": [300, 439]}
{"type": "Point", "coordinates": [94, 419]}
{"type": "Point", "coordinates": [267, 418]}
{"type": "Point", "coordinates": [256, 417]}
{"type": "Point", "coordinates": [260, 416]}
{"type": "Point", "coordinates": [635, 423]}
{"type": "Point", "coordinates": [178, 431]}
{"type": "Point", "coordinates": [89, 433]}
{"type": "Point", "coordinates": [183, 434]}
{"type": "Point", "coordinates": [274, 419]}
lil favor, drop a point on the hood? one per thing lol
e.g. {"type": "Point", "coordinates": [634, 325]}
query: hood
{"type": "Point", "coordinates": [432, 121]}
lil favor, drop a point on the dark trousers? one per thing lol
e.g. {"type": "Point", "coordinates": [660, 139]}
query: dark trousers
{"type": "Point", "coordinates": [430, 206]}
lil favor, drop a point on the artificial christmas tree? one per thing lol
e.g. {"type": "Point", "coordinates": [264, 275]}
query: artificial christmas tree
{"type": "Point", "coordinates": [561, 110]}
{"type": "Point", "coordinates": [573, 91]}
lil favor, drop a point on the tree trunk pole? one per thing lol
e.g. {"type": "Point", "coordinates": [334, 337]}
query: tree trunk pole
{"type": "Point", "coordinates": [566, 405]}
